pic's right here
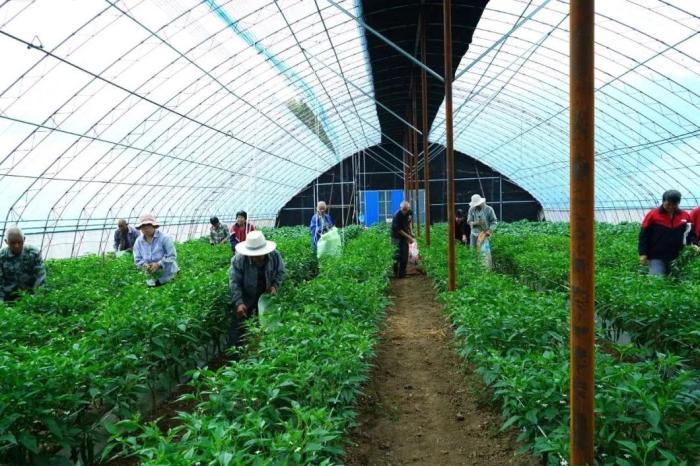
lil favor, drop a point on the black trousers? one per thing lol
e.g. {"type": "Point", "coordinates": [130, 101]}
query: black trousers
{"type": "Point", "coordinates": [236, 332]}
{"type": "Point", "coordinates": [400, 257]}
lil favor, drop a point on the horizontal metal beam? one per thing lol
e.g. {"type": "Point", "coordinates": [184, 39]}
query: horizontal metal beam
{"type": "Point", "coordinates": [366, 94]}
{"type": "Point", "coordinates": [391, 44]}
{"type": "Point", "coordinates": [503, 38]}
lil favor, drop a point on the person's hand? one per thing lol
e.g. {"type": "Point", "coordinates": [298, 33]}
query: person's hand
{"type": "Point", "coordinates": [273, 290]}
{"type": "Point", "coordinates": [643, 260]}
{"type": "Point", "coordinates": [464, 239]}
{"type": "Point", "coordinates": [242, 310]}
{"type": "Point", "coordinates": [130, 249]}
{"type": "Point", "coordinates": [153, 267]}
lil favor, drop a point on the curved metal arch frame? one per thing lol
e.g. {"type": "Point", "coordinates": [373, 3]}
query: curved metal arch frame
{"type": "Point", "coordinates": [500, 100]}
{"type": "Point", "coordinates": [612, 97]}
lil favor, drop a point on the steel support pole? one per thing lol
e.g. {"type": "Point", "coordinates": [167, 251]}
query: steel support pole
{"type": "Point", "coordinates": [414, 138]}
{"type": "Point", "coordinates": [449, 143]}
{"type": "Point", "coordinates": [406, 168]}
{"type": "Point", "coordinates": [424, 115]}
{"type": "Point", "coordinates": [582, 281]}
{"type": "Point", "coordinates": [500, 198]}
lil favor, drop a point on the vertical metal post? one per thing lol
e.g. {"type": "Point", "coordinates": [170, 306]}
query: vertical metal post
{"type": "Point", "coordinates": [582, 175]}
{"type": "Point", "coordinates": [414, 138]}
{"type": "Point", "coordinates": [406, 169]}
{"type": "Point", "coordinates": [449, 142]}
{"type": "Point", "coordinates": [500, 198]}
{"type": "Point", "coordinates": [424, 114]}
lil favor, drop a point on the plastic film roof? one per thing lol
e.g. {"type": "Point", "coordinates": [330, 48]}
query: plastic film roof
{"type": "Point", "coordinates": [112, 108]}
{"type": "Point", "coordinates": [186, 109]}
{"type": "Point", "coordinates": [512, 106]}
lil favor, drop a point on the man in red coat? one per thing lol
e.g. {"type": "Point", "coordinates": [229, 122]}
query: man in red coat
{"type": "Point", "coordinates": [695, 218]}
{"type": "Point", "coordinates": [665, 231]}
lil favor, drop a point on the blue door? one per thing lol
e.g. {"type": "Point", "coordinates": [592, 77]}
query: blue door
{"type": "Point", "coordinates": [371, 207]}
{"type": "Point", "coordinates": [396, 199]}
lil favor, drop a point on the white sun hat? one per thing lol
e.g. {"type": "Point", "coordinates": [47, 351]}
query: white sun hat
{"type": "Point", "coordinates": [255, 244]}
{"type": "Point", "coordinates": [147, 219]}
{"type": "Point", "coordinates": [477, 200]}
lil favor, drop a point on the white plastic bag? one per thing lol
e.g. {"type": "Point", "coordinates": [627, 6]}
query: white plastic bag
{"type": "Point", "coordinates": [413, 253]}
{"type": "Point", "coordinates": [484, 246]}
{"type": "Point", "coordinates": [263, 303]}
{"type": "Point", "coordinates": [329, 243]}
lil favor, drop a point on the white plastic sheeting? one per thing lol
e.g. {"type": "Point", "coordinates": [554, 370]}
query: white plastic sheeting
{"type": "Point", "coordinates": [109, 109]}
{"type": "Point", "coordinates": [112, 108]}
{"type": "Point", "coordinates": [512, 108]}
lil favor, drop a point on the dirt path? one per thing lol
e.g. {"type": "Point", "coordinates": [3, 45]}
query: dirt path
{"type": "Point", "coordinates": [420, 408]}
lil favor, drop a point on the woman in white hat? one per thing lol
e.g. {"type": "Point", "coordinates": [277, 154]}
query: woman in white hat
{"type": "Point", "coordinates": [481, 218]}
{"type": "Point", "coordinates": [257, 268]}
{"type": "Point", "coordinates": [154, 252]}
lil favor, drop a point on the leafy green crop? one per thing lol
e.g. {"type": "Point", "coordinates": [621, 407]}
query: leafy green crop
{"type": "Point", "coordinates": [289, 400]}
{"type": "Point", "coordinates": [96, 339]}
{"type": "Point", "coordinates": [647, 412]}
{"type": "Point", "coordinates": [658, 315]}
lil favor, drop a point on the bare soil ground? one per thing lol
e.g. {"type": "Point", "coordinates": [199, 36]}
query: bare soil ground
{"type": "Point", "coordinates": [420, 406]}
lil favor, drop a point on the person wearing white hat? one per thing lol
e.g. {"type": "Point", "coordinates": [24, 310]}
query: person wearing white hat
{"type": "Point", "coordinates": [256, 269]}
{"type": "Point", "coordinates": [481, 218]}
{"type": "Point", "coordinates": [154, 252]}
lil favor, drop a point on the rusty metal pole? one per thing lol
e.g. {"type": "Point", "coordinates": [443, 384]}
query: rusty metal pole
{"type": "Point", "coordinates": [424, 115]}
{"type": "Point", "coordinates": [411, 155]}
{"type": "Point", "coordinates": [449, 143]}
{"type": "Point", "coordinates": [405, 168]}
{"type": "Point", "coordinates": [582, 281]}
{"type": "Point", "coordinates": [414, 137]}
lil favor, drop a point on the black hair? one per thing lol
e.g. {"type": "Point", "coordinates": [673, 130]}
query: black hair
{"type": "Point", "coordinates": [214, 220]}
{"type": "Point", "coordinates": [672, 196]}
{"type": "Point", "coordinates": [460, 213]}
{"type": "Point", "coordinates": [242, 213]}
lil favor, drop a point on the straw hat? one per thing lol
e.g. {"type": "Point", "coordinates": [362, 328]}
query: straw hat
{"type": "Point", "coordinates": [147, 219]}
{"type": "Point", "coordinates": [255, 245]}
{"type": "Point", "coordinates": [477, 200]}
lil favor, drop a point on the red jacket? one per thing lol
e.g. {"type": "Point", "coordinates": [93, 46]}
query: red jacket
{"type": "Point", "coordinates": [663, 236]}
{"type": "Point", "coordinates": [238, 233]}
{"type": "Point", "coordinates": [695, 218]}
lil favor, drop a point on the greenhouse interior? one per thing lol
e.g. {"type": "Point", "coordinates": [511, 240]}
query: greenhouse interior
{"type": "Point", "coordinates": [357, 232]}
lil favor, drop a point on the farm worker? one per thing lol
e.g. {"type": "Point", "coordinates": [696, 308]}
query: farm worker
{"type": "Point", "coordinates": [462, 229]}
{"type": "Point", "coordinates": [321, 222]}
{"type": "Point", "coordinates": [21, 266]}
{"type": "Point", "coordinates": [664, 232]}
{"type": "Point", "coordinates": [218, 232]}
{"type": "Point", "coordinates": [124, 236]}
{"type": "Point", "coordinates": [257, 268]}
{"type": "Point", "coordinates": [695, 219]}
{"type": "Point", "coordinates": [154, 252]}
{"type": "Point", "coordinates": [401, 237]}
{"type": "Point", "coordinates": [481, 218]}
{"type": "Point", "coordinates": [240, 229]}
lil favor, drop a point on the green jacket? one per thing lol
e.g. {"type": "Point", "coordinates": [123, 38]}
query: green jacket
{"type": "Point", "coordinates": [23, 272]}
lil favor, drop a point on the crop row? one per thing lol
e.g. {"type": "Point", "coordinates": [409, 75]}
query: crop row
{"type": "Point", "coordinates": [647, 412]}
{"type": "Point", "coordinates": [657, 315]}
{"type": "Point", "coordinates": [96, 339]}
{"type": "Point", "coordinates": [290, 398]}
